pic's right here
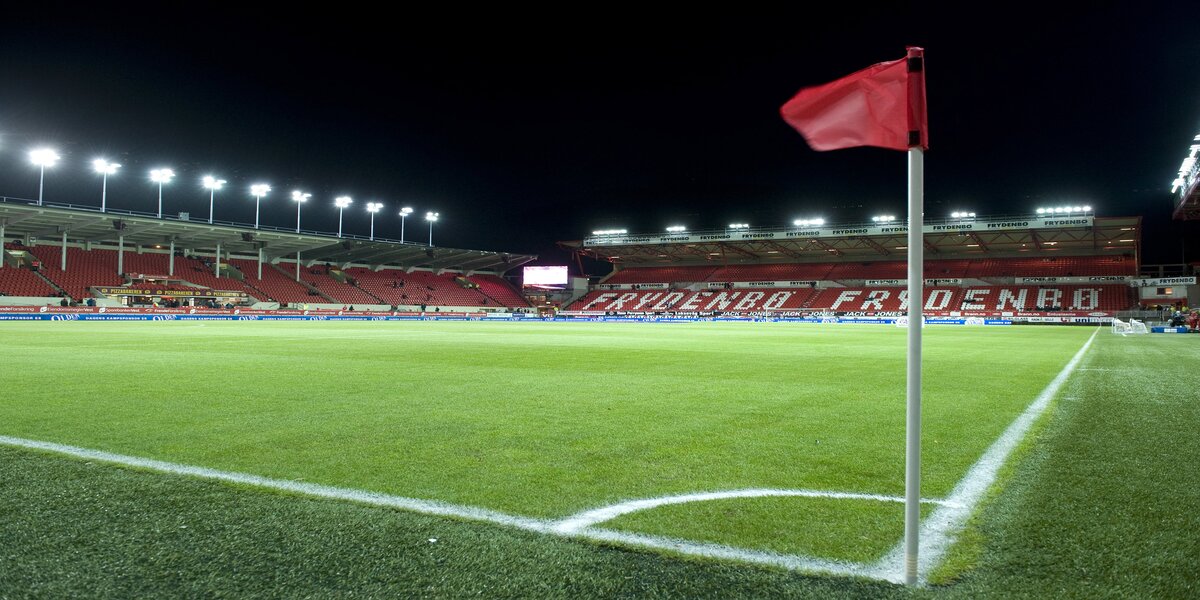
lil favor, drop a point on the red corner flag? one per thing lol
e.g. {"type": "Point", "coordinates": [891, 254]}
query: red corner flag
{"type": "Point", "coordinates": [882, 105]}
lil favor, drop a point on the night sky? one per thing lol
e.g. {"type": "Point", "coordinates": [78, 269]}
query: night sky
{"type": "Point", "coordinates": [523, 129]}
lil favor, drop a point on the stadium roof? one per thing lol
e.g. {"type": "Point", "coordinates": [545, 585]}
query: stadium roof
{"type": "Point", "coordinates": [986, 236]}
{"type": "Point", "coordinates": [21, 218]}
{"type": "Point", "coordinates": [1186, 184]}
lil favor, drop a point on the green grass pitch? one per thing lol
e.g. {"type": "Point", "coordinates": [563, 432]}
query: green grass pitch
{"type": "Point", "coordinates": [547, 419]}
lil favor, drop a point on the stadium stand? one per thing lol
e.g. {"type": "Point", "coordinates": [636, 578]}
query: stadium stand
{"type": "Point", "coordinates": [500, 291]}
{"type": "Point", "coordinates": [84, 269]}
{"type": "Point", "coordinates": [395, 286]}
{"type": "Point", "coordinates": [198, 272]}
{"type": "Point", "coordinates": [778, 272]}
{"type": "Point", "coordinates": [662, 274]}
{"type": "Point", "coordinates": [23, 282]}
{"type": "Point", "coordinates": [863, 299]}
{"type": "Point", "coordinates": [275, 284]}
{"type": "Point", "coordinates": [1064, 266]}
{"type": "Point", "coordinates": [319, 278]}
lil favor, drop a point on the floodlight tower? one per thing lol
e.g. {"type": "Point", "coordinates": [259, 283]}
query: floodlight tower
{"type": "Point", "coordinates": [43, 157]}
{"type": "Point", "coordinates": [404, 212]}
{"type": "Point", "coordinates": [161, 176]}
{"type": "Point", "coordinates": [258, 190]}
{"type": "Point", "coordinates": [432, 217]}
{"type": "Point", "coordinates": [213, 184]}
{"type": "Point", "coordinates": [299, 198]}
{"type": "Point", "coordinates": [341, 202]}
{"type": "Point", "coordinates": [373, 207]}
{"type": "Point", "coordinates": [104, 168]}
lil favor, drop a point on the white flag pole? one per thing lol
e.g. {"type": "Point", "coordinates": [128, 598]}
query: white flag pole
{"type": "Point", "coordinates": [912, 449]}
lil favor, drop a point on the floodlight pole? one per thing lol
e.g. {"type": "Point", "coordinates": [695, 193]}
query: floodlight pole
{"type": "Point", "coordinates": [41, 183]}
{"type": "Point", "coordinates": [104, 192]}
{"type": "Point", "coordinates": [257, 207]}
{"type": "Point", "coordinates": [916, 305]}
{"type": "Point", "coordinates": [402, 217]}
{"type": "Point", "coordinates": [160, 199]}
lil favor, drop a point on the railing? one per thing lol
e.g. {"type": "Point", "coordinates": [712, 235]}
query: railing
{"type": "Point", "coordinates": [202, 221]}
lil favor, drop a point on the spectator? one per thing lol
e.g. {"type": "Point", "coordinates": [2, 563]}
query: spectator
{"type": "Point", "coordinates": [63, 302]}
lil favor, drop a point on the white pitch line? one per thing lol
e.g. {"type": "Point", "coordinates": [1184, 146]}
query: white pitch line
{"type": "Point", "coordinates": [940, 529]}
{"type": "Point", "coordinates": [430, 507]}
{"type": "Point", "coordinates": [937, 532]}
{"type": "Point", "coordinates": [585, 519]}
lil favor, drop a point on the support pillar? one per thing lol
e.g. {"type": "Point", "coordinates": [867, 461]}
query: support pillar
{"type": "Point", "coordinates": [171, 260]}
{"type": "Point", "coordinates": [217, 262]}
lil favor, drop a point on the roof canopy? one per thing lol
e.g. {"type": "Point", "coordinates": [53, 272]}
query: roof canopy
{"type": "Point", "coordinates": [1000, 237]}
{"type": "Point", "coordinates": [21, 219]}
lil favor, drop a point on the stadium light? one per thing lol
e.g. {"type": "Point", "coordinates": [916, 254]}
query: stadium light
{"type": "Point", "coordinates": [676, 229]}
{"type": "Point", "coordinates": [104, 168]}
{"type": "Point", "coordinates": [432, 217]}
{"type": "Point", "coordinates": [258, 190]}
{"type": "Point", "coordinates": [213, 184]}
{"type": "Point", "coordinates": [1064, 210]}
{"type": "Point", "coordinates": [43, 157]}
{"type": "Point", "coordinates": [161, 176]}
{"type": "Point", "coordinates": [372, 207]}
{"type": "Point", "coordinates": [610, 232]}
{"type": "Point", "coordinates": [739, 226]}
{"type": "Point", "coordinates": [962, 214]}
{"type": "Point", "coordinates": [883, 218]}
{"type": "Point", "coordinates": [817, 222]}
{"type": "Point", "coordinates": [404, 212]}
{"type": "Point", "coordinates": [299, 198]}
{"type": "Point", "coordinates": [341, 202]}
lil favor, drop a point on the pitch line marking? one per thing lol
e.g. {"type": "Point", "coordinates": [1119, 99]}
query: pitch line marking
{"type": "Point", "coordinates": [941, 528]}
{"type": "Point", "coordinates": [445, 509]}
{"type": "Point", "coordinates": [589, 518]}
{"type": "Point", "coordinates": [937, 532]}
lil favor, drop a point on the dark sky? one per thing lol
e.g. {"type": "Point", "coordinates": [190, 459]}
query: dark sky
{"type": "Point", "coordinates": [525, 128]}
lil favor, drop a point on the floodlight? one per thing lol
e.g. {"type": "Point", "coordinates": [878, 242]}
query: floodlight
{"type": "Point", "coordinates": [104, 168]}
{"type": "Point", "coordinates": [213, 184]}
{"type": "Point", "coordinates": [258, 190]}
{"type": "Point", "coordinates": [404, 212]}
{"type": "Point", "coordinates": [372, 207]}
{"type": "Point", "coordinates": [161, 176]}
{"type": "Point", "coordinates": [43, 157]}
{"type": "Point", "coordinates": [299, 198]}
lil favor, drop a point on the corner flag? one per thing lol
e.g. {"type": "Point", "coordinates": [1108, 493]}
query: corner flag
{"type": "Point", "coordinates": [884, 106]}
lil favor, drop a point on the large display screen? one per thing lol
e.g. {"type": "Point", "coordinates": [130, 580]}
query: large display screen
{"type": "Point", "coordinates": [545, 277]}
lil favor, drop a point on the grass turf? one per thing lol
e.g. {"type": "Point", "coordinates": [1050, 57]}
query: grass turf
{"type": "Point", "coordinates": [543, 419]}
{"type": "Point", "coordinates": [1105, 505]}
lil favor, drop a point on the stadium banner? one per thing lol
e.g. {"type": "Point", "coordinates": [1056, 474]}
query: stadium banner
{"type": "Point", "coordinates": [152, 291]}
{"type": "Point", "coordinates": [633, 286]}
{"type": "Point", "coordinates": [834, 232]}
{"type": "Point", "coordinates": [716, 285]}
{"type": "Point", "coordinates": [1162, 281]}
{"type": "Point", "coordinates": [1088, 279]}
